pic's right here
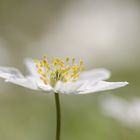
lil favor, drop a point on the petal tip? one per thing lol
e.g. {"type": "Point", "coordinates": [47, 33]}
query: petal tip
{"type": "Point", "coordinates": [125, 83]}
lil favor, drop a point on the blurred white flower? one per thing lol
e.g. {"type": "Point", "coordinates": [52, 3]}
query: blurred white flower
{"type": "Point", "coordinates": [60, 77]}
{"type": "Point", "coordinates": [127, 113]}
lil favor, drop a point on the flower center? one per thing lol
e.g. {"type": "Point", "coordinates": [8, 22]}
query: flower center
{"type": "Point", "coordinates": [58, 70]}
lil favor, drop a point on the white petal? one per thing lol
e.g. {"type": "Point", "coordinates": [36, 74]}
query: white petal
{"type": "Point", "coordinates": [25, 82]}
{"type": "Point", "coordinates": [7, 72]}
{"type": "Point", "coordinates": [96, 75]}
{"type": "Point", "coordinates": [31, 68]}
{"type": "Point", "coordinates": [102, 86]}
{"type": "Point", "coordinates": [44, 87]}
{"type": "Point", "coordinates": [67, 88]}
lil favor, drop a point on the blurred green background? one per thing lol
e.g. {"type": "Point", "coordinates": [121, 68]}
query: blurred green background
{"type": "Point", "coordinates": [105, 33]}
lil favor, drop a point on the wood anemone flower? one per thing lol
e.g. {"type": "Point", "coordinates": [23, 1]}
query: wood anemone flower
{"type": "Point", "coordinates": [60, 76]}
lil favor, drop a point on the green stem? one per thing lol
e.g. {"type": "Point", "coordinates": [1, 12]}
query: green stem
{"type": "Point", "coordinates": [58, 115]}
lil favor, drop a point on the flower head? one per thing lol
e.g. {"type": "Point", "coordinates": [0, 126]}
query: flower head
{"type": "Point", "coordinates": [61, 76]}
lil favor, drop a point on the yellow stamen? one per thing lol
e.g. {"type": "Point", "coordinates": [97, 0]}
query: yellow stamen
{"type": "Point", "coordinates": [67, 59]}
{"type": "Point", "coordinates": [61, 70]}
{"type": "Point", "coordinates": [73, 60]}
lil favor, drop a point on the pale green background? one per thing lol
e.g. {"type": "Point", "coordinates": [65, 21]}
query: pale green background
{"type": "Point", "coordinates": [105, 33]}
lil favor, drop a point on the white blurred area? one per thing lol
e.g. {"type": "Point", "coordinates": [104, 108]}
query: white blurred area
{"type": "Point", "coordinates": [103, 33]}
{"type": "Point", "coordinates": [124, 111]}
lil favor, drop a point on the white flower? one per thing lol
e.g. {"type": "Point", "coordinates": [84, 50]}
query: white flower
{"type": "Point", "coordinates": [124, 111]}
{"type": "Point", "coordinates": [60, 77]}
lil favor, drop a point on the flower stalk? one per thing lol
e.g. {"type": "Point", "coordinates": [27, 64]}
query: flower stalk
{"type": "Point", "coordinates": [58, 116]}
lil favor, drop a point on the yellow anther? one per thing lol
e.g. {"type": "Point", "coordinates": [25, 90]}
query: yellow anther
{"type": "Point", "coordinates": [58, 61]}
{"type": "Point", "coordinates": [75, 68]}
{"type": "Point", "coordinates": [42, 78]}
{"type": "Point", "coordinates": [73, 60]}
{"type": "Point", "coordinates": [45, 56]}
{"type": "Point", "coordinates": [67, 59]}
{"type": "Point", "coordinates": [45, 82]}
{"type": "Point", "coordinates": [81, 62]}
{"type": "Point", "coordinates": [36, 61]}
{"type": "Point", "coordinates": [41, 63]}
{"type": "Point", "coordinates": [75, 75]}
{"type": "Point", "coordinates": [45, 61]}
{"type": "Point", "coordinates": [40, 71]}
{"type": "Point", "coordinates": [37, 65]}
{"type": "Point", "coordinates": [58, 70]}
